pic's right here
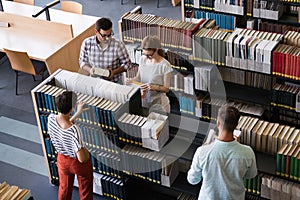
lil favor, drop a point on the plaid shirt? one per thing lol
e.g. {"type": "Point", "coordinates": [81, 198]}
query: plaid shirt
{"type": "Point", "coordinates": [113, 56]}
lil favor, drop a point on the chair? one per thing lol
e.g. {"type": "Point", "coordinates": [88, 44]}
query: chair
{"type": "Point", "coordinates": [20, 62]}
{"type": "Point", "coordinates": [30, 2]}
{"type": "Point", "coordinates": [71, 6]}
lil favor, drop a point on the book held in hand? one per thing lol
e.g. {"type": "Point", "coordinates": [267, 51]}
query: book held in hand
{"type": "Point", "coordinates": [102, 72]}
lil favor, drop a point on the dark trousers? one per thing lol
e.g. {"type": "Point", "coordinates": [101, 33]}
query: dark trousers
{"type": "Point", "coordinates": [67, 168]}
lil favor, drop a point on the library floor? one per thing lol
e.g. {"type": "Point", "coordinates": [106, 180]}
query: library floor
{"type": "Point", "coordinates": [21, 161]}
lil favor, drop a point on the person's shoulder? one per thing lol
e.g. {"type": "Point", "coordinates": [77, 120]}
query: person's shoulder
{"type": "Point", "coordinates": [89, 39]}
{"type": "Point", "coordinates": [143, 60]}
{"type": "Point", "coordinates": [51, 116]}
{"type": "Point", "coordinates": [246, 149]}
{"type": "Point", "coordinates": [167, 65]}
{"type": "Point", "coordinates": [205, 147]}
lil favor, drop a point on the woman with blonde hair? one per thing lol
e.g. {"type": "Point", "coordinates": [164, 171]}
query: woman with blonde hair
{"type": "Point", "coordinates": [154, 73]}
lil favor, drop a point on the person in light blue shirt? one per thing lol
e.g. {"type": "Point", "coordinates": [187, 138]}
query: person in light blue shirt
{"type": "Point", "coordinates": [222, 164]}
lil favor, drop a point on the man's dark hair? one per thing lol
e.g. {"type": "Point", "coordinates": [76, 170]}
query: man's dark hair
{"type": "Point", "coordinates": [104, 24]}
{"type": "Point", "coordinates": [66, 101]}
{"type": "Point", "coordinates": [228, 117]}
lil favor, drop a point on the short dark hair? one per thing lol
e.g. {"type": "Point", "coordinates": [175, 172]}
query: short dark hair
{"type": "Point", "coordinates": [66, 101]}
{"type": "Point", "coordinates": [104, 24]}
{"type": "Point", "coordinates": [228, 117]}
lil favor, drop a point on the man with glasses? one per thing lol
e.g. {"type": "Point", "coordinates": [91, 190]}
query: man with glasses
{"type": "Point", "coordinates": [103, 51]}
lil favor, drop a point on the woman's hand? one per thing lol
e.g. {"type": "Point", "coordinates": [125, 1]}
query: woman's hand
{"type": "Point", "coordinates": [145, 87]}
{"type": "Point", "coordinates": [80, 107]}
{"type": "Point", "coordinates": [128, 81]}
{"type": "Point", "coordinates": [150, 86]}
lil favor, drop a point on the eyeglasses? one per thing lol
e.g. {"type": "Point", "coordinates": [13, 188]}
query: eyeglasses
{"type": "Point", "coordinates": [149, 56]}
{"type": "Point", "coordinates": [106, 36]}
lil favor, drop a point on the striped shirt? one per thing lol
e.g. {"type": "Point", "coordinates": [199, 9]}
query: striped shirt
{"type": "Point", "coordinates": [111, 57]}
{"type": "Point", "coordinates": [66, 141]}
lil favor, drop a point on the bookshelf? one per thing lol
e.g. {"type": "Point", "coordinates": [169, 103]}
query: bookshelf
{"type": "Point", "coordinates": [249, 80]}
{"type": "Point", "coordinates": [97, 124]}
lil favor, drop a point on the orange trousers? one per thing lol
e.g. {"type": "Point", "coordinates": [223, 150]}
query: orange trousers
{"type": "Point", "coordinates": [67, 168]}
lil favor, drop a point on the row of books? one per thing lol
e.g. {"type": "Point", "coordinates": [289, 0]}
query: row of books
{"type": "Point", "coordinates": [113, 188]}
{"type": "Point", "coordinates": [292, 38]}
{"type": "Point", "coordinates": [222, 21]}
{"type": "Point", "coordinates": [53, 171]}
{"type": "Point", "coordinates": [277, 188]}
{"type": "Point", "coordinates": [45, 97]}
{"type": "Point", "coordinates": [179, 60]}
{"type": "Point", "coordinates": [143, 163]}
{"type": "Point", "coordinates": [100, 111]}
{"type": "Point", "coordinates": [277, 28]}
{"type": "Point", "coordinates": [286, 61]}
{"type": "Point", "coordinates": [251, 49]}
{"type": "Point", "coordinates": [134, 51]}
{"type": "Point", "coordinates": [172, 33]}
{"type": "Point", "coordinates": [13, 192]}
{"type": "Point", "coordinates": [130, 128]}
{"type": "Point", "coordinates": [209, 45]}
{"type": "Point", "coordinates": [266, 136]}
{"type": "Point", "coordinates": [267, 9]}
{"type": "Point", "coordinates": [186, 104]}
{"type": "Point", "coordinates": [185, 196]}
{"type": "Point", "coordinates": [44, 123]}
{"type": "Point", "coordinates": [98, 139]}
{"type": "Point", "coordinates": [209, 107]}
{"type": "Point", "coordinates": [247, 78]}
{"type": "Point", "coordinates": [181, 83]}
{"type": "Point", "coordinates": [285, 96]}
{"type": "Point", "coordinates": [253, 185]}
{"type": "Point", "coordinates": [288, 161]}
{"type": "Point", "coordinates": [93, 86]}
{"type": "Point", "coordinates": [290, 117]}
{"type": "Point", "coordinates": [50, 150]}
{"type": "Point", "coordinates": [106, 163]}
{"type": "Point", "coordinates": [233, 7]}
{"type": "Point", "coordinates": [150, 132]}
{"type": "Point", "coordinates": [205, 77]}
{"type": "Point", "coordinates": [292, 1]}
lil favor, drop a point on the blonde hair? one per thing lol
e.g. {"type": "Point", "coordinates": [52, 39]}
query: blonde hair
{"type": "Point", "coordinates": [152, 43]}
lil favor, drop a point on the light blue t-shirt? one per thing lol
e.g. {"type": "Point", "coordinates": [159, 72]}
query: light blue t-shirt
{"type": "Point", "coordinates": [222, 166]}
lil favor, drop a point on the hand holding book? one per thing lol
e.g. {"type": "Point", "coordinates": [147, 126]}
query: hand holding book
{"type": "Point", "coordinates": [102, 72]}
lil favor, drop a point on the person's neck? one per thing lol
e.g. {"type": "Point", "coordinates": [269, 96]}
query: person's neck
{"type": "Point", "coordinates": [65, 117]}
{"type": "Point", "coordinates": [156, 59]}
{"type": "Point", "coordinates": [225, 136]}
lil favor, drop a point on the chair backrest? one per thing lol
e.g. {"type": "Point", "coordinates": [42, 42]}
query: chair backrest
{"type": "Point", "coordinates": [20, 61]}
{"type": "Point", "coordinates": [71, 6]}
{"type": "Point", "coordinates": [30, 2]}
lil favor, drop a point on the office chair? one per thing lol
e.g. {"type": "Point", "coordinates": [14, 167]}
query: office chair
{"type": "Point", "coordinates": [20, 62]}
{"type": "Point", "coordinates": [71, 6]}
{"type": "Point", "coordinates": [29, 2]}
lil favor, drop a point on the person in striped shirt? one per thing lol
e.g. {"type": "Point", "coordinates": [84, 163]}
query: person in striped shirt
{"type": "Point", "coordinates": [72, 157]}
{"type": "Point", "coordinates": [104, 51]}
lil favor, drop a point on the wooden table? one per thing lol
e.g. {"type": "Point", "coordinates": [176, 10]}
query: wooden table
{"type": "Point", "coordinates": [56, 42]}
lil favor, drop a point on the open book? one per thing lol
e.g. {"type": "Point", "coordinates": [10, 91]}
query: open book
{"type": "Point", "coordinates": [102, 72]}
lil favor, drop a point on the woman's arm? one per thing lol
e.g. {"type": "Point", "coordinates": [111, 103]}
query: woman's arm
{"type": "Point", "coordinates": [83, 155]}
{"type": "Point", "coordinates": [160, 88]}
{"type": "Point", "coordinates": [80, 109]}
